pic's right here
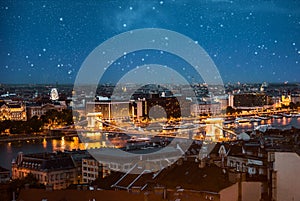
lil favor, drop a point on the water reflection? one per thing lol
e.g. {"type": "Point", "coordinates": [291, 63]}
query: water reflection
{"type": "Point", "coordinates": [284, 122]}
{"type": "Point", "coordinates": [45, 143]}
{"type": "Point", "coordinates": [10, 150]}
{"type": "Point", "coordinates": [9, 147]}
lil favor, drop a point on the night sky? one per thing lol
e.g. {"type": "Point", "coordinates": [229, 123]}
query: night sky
{"type": "Point", "coordinates": [249, 41]}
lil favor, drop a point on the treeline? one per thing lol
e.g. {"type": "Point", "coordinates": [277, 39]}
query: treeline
{"type": "Point", "coordinates": [52, 118]}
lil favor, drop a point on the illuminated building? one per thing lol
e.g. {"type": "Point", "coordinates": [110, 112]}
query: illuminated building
{"type": "Point", "coordinates": [54, 94]}
{"type": "Point", "coordinates": [286, 100]}
{"type": "Point", "coordinates": [109, 110]}
{"type": "Point", "coordinates": [56, 169]}
{"type": "Point", "coordinates": [39, 110]}
{"type": "Point", "coordinates": [92, 169]}
{"type": "Point", "coordinates": [249, 100]}
{"type": "Point", "coordinates": [205, 109]}
{"type": "Point", "coordinates": [12, 110]}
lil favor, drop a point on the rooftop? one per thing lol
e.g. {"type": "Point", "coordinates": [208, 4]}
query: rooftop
{"type": "Point", "coordinates": [45, 161]}
{"type": "Point", "coordinates": [188, 175]}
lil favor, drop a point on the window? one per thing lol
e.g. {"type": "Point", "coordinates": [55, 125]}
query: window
{"type": "Point", "coordinates": [243, 167]}
{"type": "Point", "coordinates": [237, 166]}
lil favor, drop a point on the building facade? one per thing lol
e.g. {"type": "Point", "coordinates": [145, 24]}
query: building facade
{"type": "Point", "coordinates": [55, 169]}
{"type": "Point", "coordinates": [249, 100]}
{"type": "Point", "coordinates": [284, 175]}
{"type": "Point", "coordinates": [39, 110]}
{"type": "Point", "coordinates": [109, 110]}
{"type": "Point", "coordinates": [12, 110]}
{"type": "Point", "coordinates": [205, 109]}
{"type": "Point", "coordinates": [92, 169]}
{"type": "Point", "coordinates": [251, 160]}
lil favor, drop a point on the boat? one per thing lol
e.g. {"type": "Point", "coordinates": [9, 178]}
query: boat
{"type": "Point", "coordinates": [255, 119]}
{"type": "Point", "coordinates": [276, 116]}
{"type": "Point", "coordinates": [184, 126]}
{"type": "Point", "coordinates": [168, 127]}
{"type": "Point", "coordinates": [286, 115]}
{"type": "Point", "coordinates": [264, 117]}
{"type": "Point", "coordinates": [242, 120]}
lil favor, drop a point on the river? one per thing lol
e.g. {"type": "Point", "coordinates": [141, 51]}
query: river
{"type": "Point", "coordinates": [9, 151]}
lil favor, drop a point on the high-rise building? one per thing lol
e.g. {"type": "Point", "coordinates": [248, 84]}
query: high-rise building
{"type": "Point", "coordinates": [249, 100]}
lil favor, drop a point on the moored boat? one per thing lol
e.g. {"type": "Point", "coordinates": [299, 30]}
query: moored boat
{"type": "Point", "coordinates": [264, 117]}
{"type": "Point", "coordinates": [276, 116]}
{"type": "Point", "coordinates": [242, 120]}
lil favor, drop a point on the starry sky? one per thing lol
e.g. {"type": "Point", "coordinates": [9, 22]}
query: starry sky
{"type": "Point", "coordinates": [249, 40]}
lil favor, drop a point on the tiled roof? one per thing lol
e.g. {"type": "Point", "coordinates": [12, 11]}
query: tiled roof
{"type": "Point", "coordinates": [106, 195]}
{"type": "Point", "coordinates": [130, 179]}
{"type": "Point", "coordinates": [14, 105]}
{"type": "Point", "coordinates": [40, 194]}
{"type": "Point", "coordinates": [47, 161]}
{"type": "Point", "coordinates": [108, 181]}
{"type": "Point", "coordinates": [188, 175]}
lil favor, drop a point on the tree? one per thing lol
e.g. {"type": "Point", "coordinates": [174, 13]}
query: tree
{"type": "Point", "coordinates": [18, 127]}
{"type": "Point", "coordinates": [35, 124]}
{"type": "Point", "coordinates": [67, 117]}
{"type": "Point", "coordinates": [4, 125]}
{"type": "Point", "coordinates": [292, 105]}
{"type": "Point", "coordinates": [30, 179]}
{"type": "Point", "coordinates": [230, 110]}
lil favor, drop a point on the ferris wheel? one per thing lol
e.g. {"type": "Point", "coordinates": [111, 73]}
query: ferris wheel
{"type": "Point", "coordinates": [54, 94]}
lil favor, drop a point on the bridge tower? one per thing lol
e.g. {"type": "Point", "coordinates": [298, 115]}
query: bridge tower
{"type": "Point", "coordinates": [94, 120]}
{"type": "Point", "coordinates": [214, 131]}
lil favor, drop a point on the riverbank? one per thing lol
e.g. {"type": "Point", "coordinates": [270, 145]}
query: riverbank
{"type": "Point", "coordinates": [39, 136]}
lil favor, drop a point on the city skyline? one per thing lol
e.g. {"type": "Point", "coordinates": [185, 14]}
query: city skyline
{"type": "Point", "coordinates": [46, 42]}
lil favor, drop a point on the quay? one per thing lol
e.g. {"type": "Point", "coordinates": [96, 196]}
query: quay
{"type": "Point", "coordinates": [53, 134]}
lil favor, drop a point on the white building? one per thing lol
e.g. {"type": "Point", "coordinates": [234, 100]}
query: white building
{"type": "Point", "coordinates": [92, 169]}
{"type": "Point", "coordinates": [39, 110]}
{"type": "Point", "coordinates": [285, 176]}
{"type": "Point", "coordinates": [206, 109]}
